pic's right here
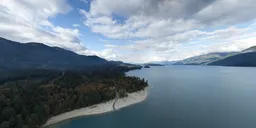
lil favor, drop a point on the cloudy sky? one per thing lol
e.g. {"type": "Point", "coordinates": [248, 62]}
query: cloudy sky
{"type": "Point", "coordinates": [132, 30]}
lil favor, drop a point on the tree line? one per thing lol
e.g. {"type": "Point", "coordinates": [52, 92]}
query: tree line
{"type": "Point", "coordinates": [27, 102]}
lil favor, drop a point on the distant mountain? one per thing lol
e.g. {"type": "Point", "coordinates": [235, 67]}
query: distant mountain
{"type": "Point", "coordinates": [247, 59]}
{"type": "Point", "coordinates": [15, 55]}
{"type": "Point", "coordinates": [168, 62]}
{"type": "Point", "coordinates": [204, 59]}
{"type": "Point", "coordinates": [162, 62]}
{"type": "Point", "coordinates": [152, 64]}
{"type": "Point", "coordinates": [146, 66]}
{"type": "Point", "coordinates": [251, 49]}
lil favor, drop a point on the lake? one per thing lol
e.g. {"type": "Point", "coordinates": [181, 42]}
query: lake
{"type": "Point", "coordinates": [186, 97]}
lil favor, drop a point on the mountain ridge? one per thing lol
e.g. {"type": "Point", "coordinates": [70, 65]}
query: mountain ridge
{"type": "Point", "coordinates": [250, 49]}
{"type": "Point", "coordinates": [204, 58]}
{"type": "Point", "coordinates": [37, 55]}
{"type": "Point", "coordinates": [247, 59]}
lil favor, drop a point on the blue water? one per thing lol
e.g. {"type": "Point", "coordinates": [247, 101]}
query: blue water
{"type": "Point", "coordinates": [186, 97]}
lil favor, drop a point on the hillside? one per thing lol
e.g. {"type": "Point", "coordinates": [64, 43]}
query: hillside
{"type": "Point", "coordinates": [247, 59]}
{"type": "Point", "coordinates": [38, 82]}
{"type": "Point", "coordinates": [15, 55]}
{"type": "Point", "coordinates": [161, 62]}
{"type": "Point", "coordinates": [32, 97]}
{"type": "Point", "coordinates": [204, 59]}
{"type": "Point", "coordinates": [152, 64]}
{"type": "Point", "coordinates": [251, 49]}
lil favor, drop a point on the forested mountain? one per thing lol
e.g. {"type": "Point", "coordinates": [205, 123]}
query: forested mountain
{"type": "Point", "coordinates": [30, 98]}
{"type": "Point", "coordinates": [204, 59]}
{"type": "Point", "coordinates": [148, 65]}
{"type": "Point", "coordinates": [38, 81]}
{"type": "Point", "coordinates": [251, 49]}
{"type": "Point", "coordinates": [247, 59]}
{"type": "Point", "coordinates": [162, 63]}
{"type": "Point", "coordinates": [14, 55]}
{"type": "Point", "coordinates": [220, 58]}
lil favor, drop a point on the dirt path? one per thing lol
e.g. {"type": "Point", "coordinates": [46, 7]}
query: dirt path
{"type": "Point", "coordinates": [114, 108]}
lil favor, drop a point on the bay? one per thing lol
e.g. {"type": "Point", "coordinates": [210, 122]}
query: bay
{"type": "Point", "coordinates": [185, 97]}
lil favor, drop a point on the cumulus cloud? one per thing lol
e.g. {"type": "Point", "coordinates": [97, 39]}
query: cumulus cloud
{"type": "Point", "coordinates": [148, 30]}
{"type": "Point", "coordinates": [188, 44]}
{"type": "Point", "coordinates": [76, 25]}
{"type": "Point", "coordinates": [27, 21]}
{"type": "Point", "coordinates": [149, 8]}
{"type": "Point", "coordinates": [151, 18]}
{"type": "Point", "coordinates": [227, 12]}
{"type": "Point", "coordinates": [162, 29]}
{"type": "Point", "coordinates": [85, 1]}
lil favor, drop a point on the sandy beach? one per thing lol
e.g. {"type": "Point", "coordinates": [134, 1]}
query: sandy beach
{"type": "Point", "coordinates": [131, 99]}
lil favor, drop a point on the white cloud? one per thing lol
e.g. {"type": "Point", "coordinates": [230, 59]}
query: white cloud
{"type": "Point", "coordinates": [33, 12]}
{"type": "Point", "coordinates": [110, 46]}
{"type": "Point", "coordinates": [164, 17]}
{"type": "Point", "coordinates": [106, 53]}
{"type": "Point", "coordinates": [172, 29]}
{"type": "Point", "coordinates": [228, 12]}
{"type": "Point", "coordinates": [85, 1]}
{"type": "Point", "coordinates": [104, 40]}
{"type": "Point", "coordinates": [76, 25]}
{"type": "Point", "coordinates": [27, 21]}
{"type": "Point", "coordinates": [154, 29]}
{"type": "Point", "coordinates": [184, 45]}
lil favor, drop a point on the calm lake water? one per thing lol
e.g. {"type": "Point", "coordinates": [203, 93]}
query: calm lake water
{"type": "Point", "coordinates": [186, 97]}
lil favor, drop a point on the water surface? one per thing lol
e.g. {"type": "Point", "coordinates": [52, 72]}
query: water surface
{"type": "Point", "coordinates": [186, 97]}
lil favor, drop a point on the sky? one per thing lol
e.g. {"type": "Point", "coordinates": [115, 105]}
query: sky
{"type": "Point", "coordinates": [134, 31]}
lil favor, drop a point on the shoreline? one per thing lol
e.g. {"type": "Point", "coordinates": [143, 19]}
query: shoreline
{"type": "Point", "coordinates": [109, 106]}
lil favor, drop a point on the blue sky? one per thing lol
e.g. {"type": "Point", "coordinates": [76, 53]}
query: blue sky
{"type": "Point", "coordinates": [73, 18]}
{"type": "Point", "coordinates": [134, 31]}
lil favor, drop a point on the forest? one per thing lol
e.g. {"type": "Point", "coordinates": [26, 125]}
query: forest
{"type": "Point", "coordinates": [28, 98]}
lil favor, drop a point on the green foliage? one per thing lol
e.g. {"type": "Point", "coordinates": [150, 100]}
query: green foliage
{"type": "Point", "coordinates": [5, 124]}
{"type": "Point", "coordinates": [23, 106]}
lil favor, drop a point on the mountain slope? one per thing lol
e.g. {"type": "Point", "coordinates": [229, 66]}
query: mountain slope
{"type": "Point", "coordinates": [204, 59]}
{"type": "Point", "coordinates": [251, 49]}
{"type": "Point", "coordinates": [14, 55]}
{"type": "Point", "coordinates": [162, 62]}
{"type": "Point", "coordinates": [244, 59]}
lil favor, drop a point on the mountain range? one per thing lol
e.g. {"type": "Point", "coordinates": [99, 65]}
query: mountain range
{"type": "Point", "coordinates": [251, 49]}
{"type": "Point", "coordinates": [204, 59]}
{"type": "Point", "coordinates": [15, 55]}
{"type": "Point", "coordinates": [245, 58]}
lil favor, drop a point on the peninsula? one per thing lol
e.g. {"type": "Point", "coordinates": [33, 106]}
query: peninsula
{"type": "Point", "coordinates": [39, 84]}
{"type": "Point", "coordinates": [109, 106]}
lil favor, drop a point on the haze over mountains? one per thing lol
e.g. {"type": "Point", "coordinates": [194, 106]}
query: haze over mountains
{"type": "Point", "coordinates": [204, 59]}
{"type": "Point", "coordinates": [246, 58]}
{"type": "Point", "coordinates": [38, 82]}
{"type": "Point", "coordinates": [251, 49]}
{"type": "Point", "coordinates": [242, 59]}
{"type": "Point", "coordinates": [14, 55]}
